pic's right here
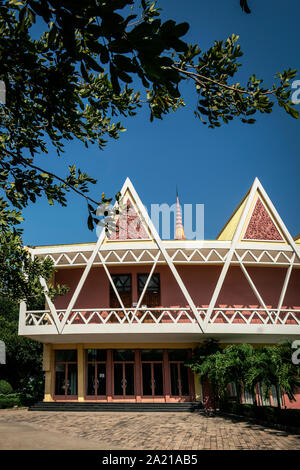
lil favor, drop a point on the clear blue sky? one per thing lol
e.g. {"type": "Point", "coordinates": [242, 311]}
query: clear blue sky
{"type": "Point", "coordinates": [211, 166]}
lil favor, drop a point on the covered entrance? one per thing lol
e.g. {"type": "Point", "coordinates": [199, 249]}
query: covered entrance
{"type": "Point", "coordinates": [133, 375]}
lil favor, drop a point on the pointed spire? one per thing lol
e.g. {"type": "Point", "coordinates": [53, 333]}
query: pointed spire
{"type": "Point", "coordinates": [179, 231]}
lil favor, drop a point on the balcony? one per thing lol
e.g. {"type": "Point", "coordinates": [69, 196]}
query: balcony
{"type": "Point", "coordinates": [87, 325]}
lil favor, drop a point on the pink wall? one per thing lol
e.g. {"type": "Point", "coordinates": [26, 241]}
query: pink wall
{"type": "Point", "coordinates": [199, 280]}
{"type": "Point", "coordinates": [287, 403]}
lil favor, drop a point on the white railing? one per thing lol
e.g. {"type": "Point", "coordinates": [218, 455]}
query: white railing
{"type": "Point", "coordinates": [255, 316]}
{"type": "Point", "coordinates": [160, 315]}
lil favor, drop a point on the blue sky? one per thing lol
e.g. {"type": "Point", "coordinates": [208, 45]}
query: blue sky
{"type": "Point", "coordinates": [214, 167]}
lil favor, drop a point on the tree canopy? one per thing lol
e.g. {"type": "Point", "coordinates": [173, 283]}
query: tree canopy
{"type": "Point", "coordinates": [94, 63]}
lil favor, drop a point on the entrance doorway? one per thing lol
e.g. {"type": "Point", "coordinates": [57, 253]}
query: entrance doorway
{"type": "Point", "coordinates": [152, 373]}
{"type": "Point", "coordinates": [66, 374]}
{"type": "Point", "coordinates": [124, 373]}
{"type": "Point", "coordinates": [179, 373]}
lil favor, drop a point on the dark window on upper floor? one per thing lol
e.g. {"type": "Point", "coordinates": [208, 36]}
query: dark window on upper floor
{"type": "Point", "coordinates": [123, 283]}
{"type": "Point", "coordinates": [152, 294]}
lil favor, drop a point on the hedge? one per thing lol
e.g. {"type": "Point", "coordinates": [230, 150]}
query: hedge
{"type": "Point", "coordinates": [267, 414]}
{"type": "Point", "coordinates": [9, 400]}
{"type": "Point", "coordinates": [5, 388]}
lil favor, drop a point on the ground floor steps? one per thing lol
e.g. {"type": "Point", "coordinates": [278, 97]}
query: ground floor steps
{"type": "Point", "coordinates": [117, 407]}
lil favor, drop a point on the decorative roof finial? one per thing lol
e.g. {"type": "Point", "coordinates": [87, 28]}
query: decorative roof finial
{"type": "Point", "coordinates": [179, 231]}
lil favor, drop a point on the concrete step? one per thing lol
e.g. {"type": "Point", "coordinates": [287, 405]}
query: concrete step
{"type": "Point", "coordinates": [117, 407]}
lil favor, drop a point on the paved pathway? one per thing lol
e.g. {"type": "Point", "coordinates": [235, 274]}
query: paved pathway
{"type": "Point", "coordinates": [23, 429]}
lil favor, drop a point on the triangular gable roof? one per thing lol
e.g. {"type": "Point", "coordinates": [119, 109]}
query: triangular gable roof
{"type": "Point", "coordinates": [229, 228]}
{"type": "Point", "coordinates": [261, 222]}
{"type": "Point", "coordinates": [129, 224]}
{"type": "Point", "coordinates": [261, 225]}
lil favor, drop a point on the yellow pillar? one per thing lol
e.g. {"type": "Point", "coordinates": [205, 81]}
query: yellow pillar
{"type": "Point", "coordinates": [198, 388]}
{"type": "Point", "coordinates": [48, 369]}
{"type": "Point", "coordinates": [80, 359]}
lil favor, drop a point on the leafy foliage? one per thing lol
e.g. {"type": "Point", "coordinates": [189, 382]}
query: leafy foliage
{"type": "Point", "coordinates": [5, 387]}
{"type": "Point", "coordinates": [272, 365]}
{"type": "Point", "coordinates": [246, 367]}
{"type": "Point", "coordinates": [23, 356]}
{"type": "Point", "coordinates": [73, 81]}
{"type": "Point", "coordinates": [94, 63]}
{"type": "Point", "coordinates": [20, 274]}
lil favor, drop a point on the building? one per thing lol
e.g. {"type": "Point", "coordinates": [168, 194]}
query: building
{"type": "Point", "coordinates": [138, 305]}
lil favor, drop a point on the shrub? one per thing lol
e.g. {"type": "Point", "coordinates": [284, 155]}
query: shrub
{"type": "Point", "coordinates": [32, 390]}
{"type": "Point", "coordinates": [5, 388]}
{"type": "Point", "coordinates": [9, 400]}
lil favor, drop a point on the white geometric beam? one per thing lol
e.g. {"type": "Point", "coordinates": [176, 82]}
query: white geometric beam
{"type": "Point", "coordinates": [285, 286]}
{"type": "Point", "coordinates": [231, 251]}
{"type": "Point", "coordinates": [48, 300]}
{"type": "Point", "coordinates": [83, 279]}
{"type": "Point", "coordinates": [113, 286]}
{"type": "Point", "coordinates": [253, 287]}
{"type": "Point", "coordinates": [50, 304]}
{"type": "Point", "coordinates": [145, 286]}
{"type": "Point", "coordinates": [157, 239]}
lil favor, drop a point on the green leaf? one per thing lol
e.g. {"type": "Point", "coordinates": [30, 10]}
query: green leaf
{"type": "Point", "coordinates": [91, 63]}
{"type": "Point", "coordinates": [181, 29]}
{"type": "Point", "coordinates": [291, 111]}
{"type": "Point", "coordinates": [90, 222]}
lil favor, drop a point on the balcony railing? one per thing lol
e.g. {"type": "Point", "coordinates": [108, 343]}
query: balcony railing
{"type": "Point", "coordinates": [161, 316]}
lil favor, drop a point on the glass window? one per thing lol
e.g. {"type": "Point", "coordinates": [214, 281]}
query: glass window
{"type": "Point", "coordinates": [147, 379]}
{"type": "Point", "coordinates": [124, 287]}
{"type": "Point", "coordinates": [174, 379]}
{"type": "Point", "coordinates": [96, 372]}
{"type": "Point", "coordinates": [184, 380]}
{"type": "Point", "coordinates": [96, 355]}
{"type": "Point", "coordinates": [66, 355]}
{"type": "Point", "coordinates": [157, 379]}
{"type": "Point", "coordinates": [91, 380]}
{"type": "Point", "coordinates": [124, 379]}
{"type": "Point", "coordinates": [178, 354]}
{"type": "Point", "coordinates": [66, 372]}
{"type": "Point", "coordinates": [179, 379]}
{"type": "Point", "coordinates": [153, 285]}
{"type": "Point", "coordinates": [72, 379]}
{"type": "Point", "coordinates": [123, 355]}
{"type": "Point", "coordinates": [122, 282]}
{"type": "Point", "coordinates": [152, 355]}
{"type": "Point", "coordinates": [118, 379]}
{"type": "Point", "coordinates": [151, 297]}
{"type": "Point", "coordinates": [60, 376]}
{"type": "Point", "coordinates": [129, 379]}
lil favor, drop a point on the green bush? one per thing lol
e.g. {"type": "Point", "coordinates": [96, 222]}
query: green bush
{"type": "Point", "coordinates": [32, 390]}
{"type": "Point", "coordinates": [5, 388]}
{"type": "Point", "coordinates": [267, 414]}
{"type": "Point", "coordinates": [9, 400]}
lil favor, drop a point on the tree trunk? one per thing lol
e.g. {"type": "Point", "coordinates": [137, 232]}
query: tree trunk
{"type": "Point", "coordinates": [278, 396]}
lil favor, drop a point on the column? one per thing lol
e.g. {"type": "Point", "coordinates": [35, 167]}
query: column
{"type": "Point", "coordinates": [109, 372]}
{"type": "Point", "coordinates": [167, 379]}
{"type": "Point", "coordinates": [80, 371]}
{"type": "Point", "coordinates": [138, 376]}
{"type": "Point", "coordinates": [48, 366]}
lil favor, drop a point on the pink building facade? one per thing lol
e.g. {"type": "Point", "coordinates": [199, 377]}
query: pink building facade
{"type": "Point", "coordinates": [138, 305]}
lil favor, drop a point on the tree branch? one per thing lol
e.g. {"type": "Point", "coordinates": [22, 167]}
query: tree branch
{"type": "Point", "coordinates": [25, 162]}
{"type": "Point", "coordinates": [197, 77]}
